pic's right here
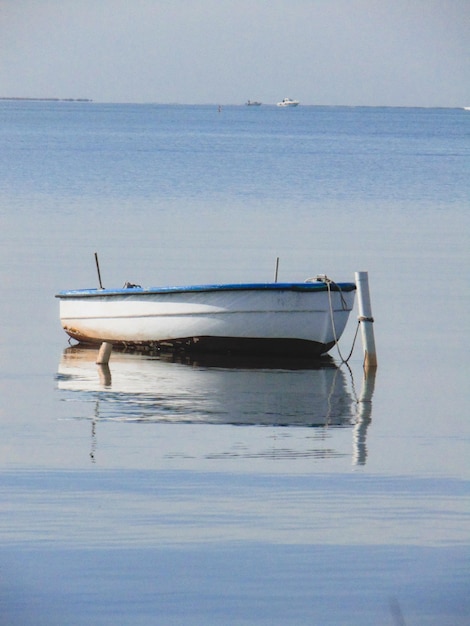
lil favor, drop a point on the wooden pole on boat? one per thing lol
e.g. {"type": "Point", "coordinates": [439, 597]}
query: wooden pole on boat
{"type": "Point", "coordinates": [98, 269]}
{"type": "Point", "coordinates": [366, 320]}
{"type": "Point", "coordinates": [104, 353]}
{"type": "Point", "coordinates": [277, 270]}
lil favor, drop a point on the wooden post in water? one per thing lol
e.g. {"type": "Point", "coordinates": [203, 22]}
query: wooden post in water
{"type": "Point", "coordinates": [104, 353]}
{"type": "Point", "coordinates": [366, 319]}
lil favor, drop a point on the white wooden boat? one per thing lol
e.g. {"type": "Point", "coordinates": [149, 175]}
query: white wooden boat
{"type": "Point", "coordinates": [288, 102]}
{"type": "Point", "coordinates": [298, 319]}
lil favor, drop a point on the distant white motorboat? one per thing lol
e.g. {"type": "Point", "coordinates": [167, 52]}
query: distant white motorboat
{"type": "Point", "coordinates": [252, 103]}
{"type": "Point", "coordinates": [288, 102]}
{"type": "Point", "coordinates": [295, 319]}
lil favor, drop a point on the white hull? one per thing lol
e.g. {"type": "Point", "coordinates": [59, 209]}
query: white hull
{"type": "Point", "coordinates": [292, 317]}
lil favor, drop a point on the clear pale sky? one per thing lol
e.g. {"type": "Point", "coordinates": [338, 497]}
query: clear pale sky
{"type": "Point", "coordinates": [351, 52]}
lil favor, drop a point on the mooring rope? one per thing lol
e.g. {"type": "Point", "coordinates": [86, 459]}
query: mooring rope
{"type": "Point", "coordinates": [328, 282]}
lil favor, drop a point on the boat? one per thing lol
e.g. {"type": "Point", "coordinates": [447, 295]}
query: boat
{"type": "Point", "coordinates": [303, 319]}
{"type": "Point", "coordinates": [288, 102]}
{"type": "Point", "coordinates": [252, 103]}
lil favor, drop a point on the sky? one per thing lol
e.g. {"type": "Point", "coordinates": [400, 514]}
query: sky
{"type": "Point", "coordinates": [326, 52]}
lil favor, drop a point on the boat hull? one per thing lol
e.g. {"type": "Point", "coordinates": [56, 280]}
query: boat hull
{"type": "Point", "coordinates": [272, 318]}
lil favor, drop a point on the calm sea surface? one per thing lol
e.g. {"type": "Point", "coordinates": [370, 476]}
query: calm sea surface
{"type": "Point", "coordinates": [204, 492]}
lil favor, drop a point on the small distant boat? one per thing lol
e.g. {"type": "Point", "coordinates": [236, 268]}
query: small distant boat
{"type": "Point", "coordinates": [288, 102]}
{"type": "Point", "coordinates": [287, 319]}
{"type": "Point", "coordinates": [252, 103]}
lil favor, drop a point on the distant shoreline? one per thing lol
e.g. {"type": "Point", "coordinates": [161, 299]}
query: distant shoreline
{"type": "Point", "coordinates": [48, 99]}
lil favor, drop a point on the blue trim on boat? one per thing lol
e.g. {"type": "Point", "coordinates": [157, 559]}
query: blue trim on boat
{"type": "Point", "coordinates": [128, 291]}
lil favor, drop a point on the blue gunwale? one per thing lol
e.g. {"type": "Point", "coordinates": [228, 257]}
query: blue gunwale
{"type": "Point", "coordinates": [128, 291]}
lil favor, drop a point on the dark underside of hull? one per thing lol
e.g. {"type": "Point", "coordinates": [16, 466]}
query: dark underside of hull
{"type": "Point", "coordinates": [299, 348]}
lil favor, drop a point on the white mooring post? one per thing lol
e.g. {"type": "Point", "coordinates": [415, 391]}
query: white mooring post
{"type": "Point", "coordinates": [366, 319]}
{"type": "Point", "coordinates": [104, 353]}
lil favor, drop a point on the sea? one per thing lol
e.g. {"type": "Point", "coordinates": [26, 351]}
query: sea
{"type": "Point", "coordinates": [186, 490]}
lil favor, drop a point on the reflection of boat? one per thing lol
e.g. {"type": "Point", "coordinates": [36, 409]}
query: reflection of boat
{"type": "Point", "coordinates": [252, 103]}
{"type": "Point", "coordinates": [288, 102]}
{"type": "Point", "coordinates": [275, 318]}
{"type": "Point", "coordinates": [151, 389]}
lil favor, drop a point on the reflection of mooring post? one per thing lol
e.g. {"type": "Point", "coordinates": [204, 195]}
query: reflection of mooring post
{"type": "Point", "coordinates": [105, 374]}
{"type": "Point", "coordinates": [366, 319]}
{"type": "Point", "coordinates": [93, 441]}
{"type": "Point", "coordinates": [104, 353]}
{"type": "Point", "coordinates": [364, 413]}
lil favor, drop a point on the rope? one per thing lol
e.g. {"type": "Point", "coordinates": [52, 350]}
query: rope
{"type": "Point", "coordinates": [353, 344]}
{"type": "Point", "coordinates": [353, 384]}
{"type": "Point", "coordinates": [328, 282]}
